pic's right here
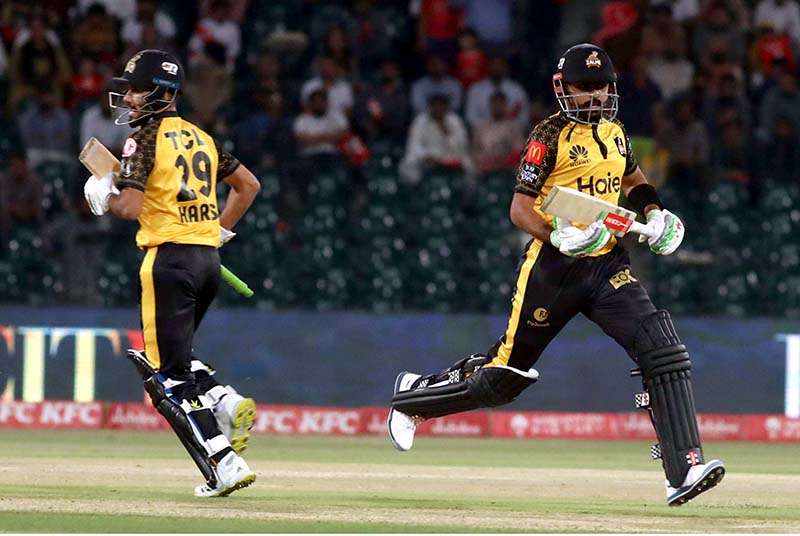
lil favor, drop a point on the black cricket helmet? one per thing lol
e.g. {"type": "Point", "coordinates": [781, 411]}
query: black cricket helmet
{"type": "Point", "coordinates": [588, 68]}
{"type": "Point", "coordinates": [150, 70]}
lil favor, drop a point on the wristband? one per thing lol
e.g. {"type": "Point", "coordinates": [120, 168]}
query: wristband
{"type": "Point", "coordinates": [642, 195]}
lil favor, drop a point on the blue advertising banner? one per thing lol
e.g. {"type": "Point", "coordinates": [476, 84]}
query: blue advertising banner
{"type": "Point", "coordinates": [351, 359]}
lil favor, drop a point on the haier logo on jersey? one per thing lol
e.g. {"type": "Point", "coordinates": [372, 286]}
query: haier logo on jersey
{"type": "Point", "coordinates": [600, 185]}
{"type": "Point", "coordinates": [579, 156]}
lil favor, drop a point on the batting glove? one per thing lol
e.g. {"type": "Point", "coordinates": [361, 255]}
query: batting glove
{"type": "Point", "coordinates": [98, 191]}
{"type": "Point", "coordinates": [665, 232]}
{"type": "Point", "coordinates": [225, 235]}
{"type": "Point", "coordinates": [575, 242]}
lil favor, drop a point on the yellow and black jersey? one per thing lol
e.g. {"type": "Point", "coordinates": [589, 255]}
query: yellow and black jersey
{"type": "Point", "coordinates": [589, 158]}
{"type": "Point", "coordinates": [177, 166]}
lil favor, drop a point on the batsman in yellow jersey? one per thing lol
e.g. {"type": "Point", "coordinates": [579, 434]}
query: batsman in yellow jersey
{"type": "Point", "coordinates": [569, 269]}
{"type": "Point", "coordinates": [168, 181]}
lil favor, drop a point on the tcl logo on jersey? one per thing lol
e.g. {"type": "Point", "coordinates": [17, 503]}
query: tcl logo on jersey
{"type": "Point", "coordinates": [599, 185]}
{"type": "Point", "coordinates": [535, 153]}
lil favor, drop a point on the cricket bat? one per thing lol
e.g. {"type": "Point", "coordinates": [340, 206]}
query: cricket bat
{"type": "Point", "coordinates": [99, 160]}
{"type": "Point", "coordinates": [579, 207]}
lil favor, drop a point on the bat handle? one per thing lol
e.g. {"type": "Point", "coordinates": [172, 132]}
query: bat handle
{"type": "Point", "coordinates": [640, 228]}
{"type": "Point", "coordinates": [237, 284]}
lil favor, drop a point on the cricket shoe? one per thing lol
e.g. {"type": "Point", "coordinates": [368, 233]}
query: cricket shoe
{"type": "Point", "coordinates": [235, 415]}
{"type": "Point", "coordinates": [232, 473]}
{"type": "Point", "coordinates": [401, 426]}
{"type": "Point", "coordinates": [699, 479]}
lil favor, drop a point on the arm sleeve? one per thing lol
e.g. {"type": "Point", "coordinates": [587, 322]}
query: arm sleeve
{"type": "Point", "coordinates": [630, 159]}
{"type": "Point", "coordinates": [139, 155]}
{"type": "Point", "coordinates": [227, 163]}
{"type": "Point", "coordinates": [538, 158]}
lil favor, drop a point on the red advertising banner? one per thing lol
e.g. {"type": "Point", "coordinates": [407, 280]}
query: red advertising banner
{"type": "Point", "coordinates": [308, 420]}
{"type": "Point", "coordinates": [51, 414]}
{"type": "Point", "coordinates": [134, 416]}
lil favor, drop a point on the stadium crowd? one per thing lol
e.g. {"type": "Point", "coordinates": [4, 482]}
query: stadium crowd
{"type": "Point", "coordinates": [387, 133]}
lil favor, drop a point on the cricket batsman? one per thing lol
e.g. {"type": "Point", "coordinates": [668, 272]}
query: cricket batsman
{"type": "Point", "coordinates": [569, 269]}
{"type": "Point", "coordinates": [168, 181]}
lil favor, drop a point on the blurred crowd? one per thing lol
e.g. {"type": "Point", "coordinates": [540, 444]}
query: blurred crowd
{"type": "Point", "coordinates": [709, 95]}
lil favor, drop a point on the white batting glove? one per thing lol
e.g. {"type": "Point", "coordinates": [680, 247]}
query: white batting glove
{"type": "Point", "coordinates": [665, 232]}
{"type": "Point", "coordinates": [575, 242]}
{"type": "Point", "coordinates": [225, 235]}
{"type": "Point", "coordinates": [98, 191]}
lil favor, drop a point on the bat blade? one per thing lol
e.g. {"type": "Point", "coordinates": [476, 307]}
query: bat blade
{"type": "Point", "coordinates": [98, 159]}
{"type": "Point", "coordinates": [579, 207]}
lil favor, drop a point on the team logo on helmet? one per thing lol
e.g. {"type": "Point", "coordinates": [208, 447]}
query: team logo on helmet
{"type": "Point", "coordinates": [131, 65]}
{"type": "Point", "coordinates": [593, 61]}
{"type": "Point", "coordinates": [170, 67]}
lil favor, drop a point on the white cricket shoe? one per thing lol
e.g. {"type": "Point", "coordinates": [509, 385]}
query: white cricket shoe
{"type": "Point", "coordinates": [232, 473]}
{"type": "Point", "coordinates": [235, 415]}
{"type": "Point", "coordinates": [401, 426]}
{"type": "Point", "coordinates": [699, 479]}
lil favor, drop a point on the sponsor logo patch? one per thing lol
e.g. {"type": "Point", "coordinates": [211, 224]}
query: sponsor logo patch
{"type": "Point", "coordinates": [615, 222]}
{"type": "Point", "coordinates": [535, 153]}
{"type": "Point", "coordinates": [129, 148]}
{"type": "Point", "coordinates": [579, 156]}
{"type": "Point", "coordinates": [170, 67]}
{"type": "Point", "coordinates": [529, 173]}
{"type": "Point", "coordinates": [622, 278]}
{"type": "Point", "coordinates": [620, 146]}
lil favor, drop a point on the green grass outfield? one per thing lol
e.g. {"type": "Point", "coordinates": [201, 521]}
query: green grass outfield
{"type": "Point", "coordinates": [103, 481]}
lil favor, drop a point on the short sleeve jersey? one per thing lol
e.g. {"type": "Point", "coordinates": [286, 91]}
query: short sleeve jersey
{"type": "Point", "coordinates": [177, 165]}
{"type": "Point", "coordinates": [589, 158]}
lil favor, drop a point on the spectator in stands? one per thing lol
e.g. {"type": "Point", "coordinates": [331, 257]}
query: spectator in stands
{"type": "Point", "coordinates": [497, 142]}
{"type": "Point", "coordinates": [662, 32]}
{"type": "Point", "coordinates": [97, 36]}
{"type": "Point", "coordinates": [779, 154]}
{"type": "Point", "coordinates": [208, 88]}
{"type": "Point", "coordinates": [150, 28]}
{"type": "Point", "coordinates": [721, 31]}
{"type": "Point", "coordinates": [121, 9]}
{"type": "Point", "coordinates": [437, 27]}
{"type": "Point", "coordinates": [783, 101]}
{"type": "Point", "coordinates": [383, 109]}
{"type": "Point", "coordinates": [768, 50]}
{"type": "Point", "coordinates": [492, 21]}
{"type": "Point", "coordinates": [477, 109]}
{"type": "Point", "coordinates": [782, 15]}
{"type": "Point", "coordinates": [728, 104]}
{"type": "Point", "coordinates": [320, 127]}
{"type": "Point", "coordinates": [20, 195]}
{"type": "Point", "coordinates": [337, 46]}
{"type": "Point", "coordinates": [731, 154]}
{"type": "Point", "coordinates": [374, 33]}
{"type": "Point", "coordinates": [330, 78]}
{"type": "Point", "coordinates": [87, 82]}
{"type": "Point", "coordinates": [671, 71]}
{"type": "Point", "coordinates": [35, 63]}
{"type": "Point", "coordinates": [641, 96]}
{"type": "Point", "coordinates": [98, 121]}
{"type": "Point", "coordinates": [263, 138]}
{"type": "Point", "coordinates": [3, 63]}
{"type": "Point", "coordinates": [437, 139]}
{"type": "Point", "coordinates": [686, 139]}
{"type": "Point", "coordinates": [471, 61]}
{"type": "Point", "coordinates": [219, 28]}
{"type": "Point", "coordinates": [46, 130]}
{"type": "Point", "coordinates": [437, 81]}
